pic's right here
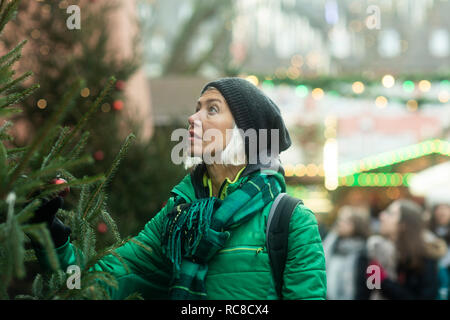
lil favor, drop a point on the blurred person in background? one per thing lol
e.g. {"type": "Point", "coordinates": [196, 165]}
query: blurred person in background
{"type": "Point", "coordinates": [439, 226]}
{"type": "Point", "coordinates": [415, 255]}
{"type": "Point", "coordinates": [345, 257]}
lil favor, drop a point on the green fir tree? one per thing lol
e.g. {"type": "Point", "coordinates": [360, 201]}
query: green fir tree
{"type": "Point", "coordinates": [25, 180]}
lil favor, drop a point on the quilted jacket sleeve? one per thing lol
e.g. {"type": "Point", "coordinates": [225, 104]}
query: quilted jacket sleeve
{"type": "Point", "coordinates": [141, 267]}
{"type": "Point", "coordinates": [304, 275]}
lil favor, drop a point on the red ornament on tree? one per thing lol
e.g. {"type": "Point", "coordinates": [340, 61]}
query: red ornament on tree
{"type": "Point", "coordinates": [118, 105]}
{"type": "Point", "coordinates": [66, 190]}
{"type": "Point", "coordinates": [102, 227]}
{"type": "Point", "coordinates": [99, 155]}
{"type": "Point", "coordinates": [120, 85]}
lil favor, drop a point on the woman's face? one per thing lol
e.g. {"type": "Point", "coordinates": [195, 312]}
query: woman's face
{"type": "Point", "coordinates": [345, 226]}
{"type": "Point", "coordinates": [389, 220]}
{"type": "Point", "coordinates": [208, 125]}
{"type": "Point", "coordinates": [442, 215]}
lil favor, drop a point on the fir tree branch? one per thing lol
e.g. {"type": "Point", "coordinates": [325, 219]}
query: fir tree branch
{"type": "Point", "coordinates": [26, 213]}
{"type": "Point", "coordinates": [55, 118]}
{"type": "Point", "coordinates": [37, 287]}
{"type": "Point", "coordinates": [7, 112]}
{"type": "Point", "coordinates": [40, 233]}
{"type": "Point", "coordinates": [79, 146]}
{"type": "Point", "coordinates": [110, 173]}
{"type": "Point", "coordinates": [19, 97]}
{"type": "Point", "coordinates": [112, 225]}
{"type": "Point", "coordinates": [82, 122]}
{"type": "Point", "coordinates": [15, 239]}
{"type": "Point", "coordinates": [5, 126]}
{"type": "Point", "coordinates": [56, 146]}
{"type": "Point", "coordinates": [51, 189]}
{"type": "Point", "coordinates": [3, 164]}
{"type": "Point", "coordinates": [14, 53]}
{"type": "Point", "coordinates": [12, 84]}
{"type": "Point", "coordinates": [8, 13]}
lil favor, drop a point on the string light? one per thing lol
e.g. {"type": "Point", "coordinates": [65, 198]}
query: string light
{"type": "Point", "coordinates": [358, 87]}
{"type": "Point", "coordinates": [297, 61]}
{"type": "Point", "coordinates": [106, 107]}
{"type": "Point", "coordinates": [293, 72]}
{"type": "Point", "coordinates": [288, 170]}
{"type": "Point", "coordinates": [35, 34]}
{"type": "Point", "coordinates": [300, 170]}
{"type": "Point", "coordinates": [42, 103]}
{"type": "Point", "coordinates": [443, 96]}
{"type": "Point", "coordinates": [412, 105]}
{"type": "Point", "coordinates": [253, 79]}
{"type": "Point", "coordinates": [85, 92]}
{"type": "Point", "coordinates": [268, 83]}
{"type": "Point", "coordinates": [424, 85]}
{"type": "Point", "coordinates": [44, 50]}
{"type": "Point", "coordinates": [408, 86]}
{"type": "Point", "coordinates": [391, 158]}
{"type": "Point", "coordinates": [381, 102]}
{"type": "Point", "coordinates": [301, 91]}
{"type": "Point", "coordinates": [317, 94]}
{"type": "Point", "coordinates": [376, 180]}
{"type": "Point", "coordinates": [388, 81]}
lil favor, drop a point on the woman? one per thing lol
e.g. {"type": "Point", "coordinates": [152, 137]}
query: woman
{"type": "Point", "coordinates": [439, 226]}
{"type": "Point", "coordinates": [345, 255]}
{"type": "Point", "coordinates": [208, 242]}
{"type": "Point", "coordinates": [440, 221]}
{"type": "Point", "coordinates": [415, 275]}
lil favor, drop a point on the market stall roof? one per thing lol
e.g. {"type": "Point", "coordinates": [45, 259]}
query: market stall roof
{"type": "Point", "coordinates": [357, 173]}
{"type": "Point", "coordinates": [432, 183]}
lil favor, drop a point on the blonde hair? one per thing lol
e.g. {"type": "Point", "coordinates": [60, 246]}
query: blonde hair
{"type": "Point", "coordinates": [233, 154]}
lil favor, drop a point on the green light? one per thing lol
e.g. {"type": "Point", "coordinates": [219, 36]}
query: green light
{"type": "Point", "coordinates": [301, 91]}
{"type": "Point", "coordinates": [383, 179]}
{"type": "Point", "coordinates": [396, 179]}
{"type": "Point", "coordinates": [333, 93]}
{"type": "Point", "coordinates": [408, 86]}
{"type": "Point", "coordinates": [351, 180]}
{"type": "Point", "coordinates": [268, 83]}
{"type": "Point", "coordinates": [444, 84]}
{"type": "Point", "coordinates": [361, 180]}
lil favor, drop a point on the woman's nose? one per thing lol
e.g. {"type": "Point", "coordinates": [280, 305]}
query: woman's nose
{"type": "Point", "coordinates": [195, 120]}
{"type": "Point", "coordinates": [192, 118]}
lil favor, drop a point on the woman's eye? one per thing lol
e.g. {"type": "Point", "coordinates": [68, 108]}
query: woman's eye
{"type": "Point", "coordinates": [213, 109]}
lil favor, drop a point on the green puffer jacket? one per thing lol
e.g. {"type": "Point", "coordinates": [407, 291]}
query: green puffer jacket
{"type": "Point", "coordinates": [240, 270]}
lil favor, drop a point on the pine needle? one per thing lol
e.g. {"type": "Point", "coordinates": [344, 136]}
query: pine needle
{"type": "Point", "coordinates": [95, 106]}
{"type": "Point", "coordinates": [110, 173]}
{"type": "Point", "coordinates": [36, 143]}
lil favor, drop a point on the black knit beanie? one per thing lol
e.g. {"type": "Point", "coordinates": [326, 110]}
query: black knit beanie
{"type": "Point", "coordinates": [252, 109]}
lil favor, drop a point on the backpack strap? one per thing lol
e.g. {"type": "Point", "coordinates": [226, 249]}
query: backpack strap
{"type": "Point", "coordinates": [277, 234]}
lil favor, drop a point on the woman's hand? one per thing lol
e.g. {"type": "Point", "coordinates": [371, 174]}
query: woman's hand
{"type": "Point", "coordinates": [47, 213]}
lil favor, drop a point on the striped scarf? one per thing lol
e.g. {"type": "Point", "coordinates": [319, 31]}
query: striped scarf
{"type": "Point", "coordinates": [195, 231]}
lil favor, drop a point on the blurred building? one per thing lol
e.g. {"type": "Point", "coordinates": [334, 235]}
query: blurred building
{"type": "Point", "coordinates": [302, 37]}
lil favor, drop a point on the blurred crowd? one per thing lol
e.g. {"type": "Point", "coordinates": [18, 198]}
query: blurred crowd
{"type": "Point", "coordinates": [402, 253]}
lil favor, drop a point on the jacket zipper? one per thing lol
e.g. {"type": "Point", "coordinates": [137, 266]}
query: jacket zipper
{"type": "Point", "coordinates": [243, 248]}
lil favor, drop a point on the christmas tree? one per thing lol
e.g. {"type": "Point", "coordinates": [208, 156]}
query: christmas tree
{"type": "Point", "coordinates": [32, 174]}
{"type": "Point", "coordinates": [57, 54]}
